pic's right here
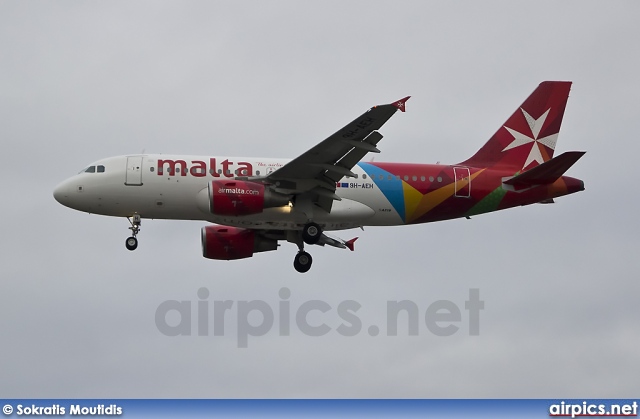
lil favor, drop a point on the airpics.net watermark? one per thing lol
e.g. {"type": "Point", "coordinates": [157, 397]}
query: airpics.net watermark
{"type": "Point", "coordinates": [256, 318]}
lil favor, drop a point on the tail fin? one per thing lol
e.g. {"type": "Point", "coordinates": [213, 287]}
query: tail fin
{"type": "Point", "coordinates": [529, 136]}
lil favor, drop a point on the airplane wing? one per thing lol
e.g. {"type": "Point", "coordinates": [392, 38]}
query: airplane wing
{"type": "Point", "coordinates": [314, 173]}
{"type": "Point", "coordinates": [336, 242]}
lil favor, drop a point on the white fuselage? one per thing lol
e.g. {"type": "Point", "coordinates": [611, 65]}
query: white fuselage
{"type": "Point", "coordinates": [175, 187]}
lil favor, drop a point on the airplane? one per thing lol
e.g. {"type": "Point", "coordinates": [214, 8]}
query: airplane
{"type": "Point", "coordinates": [257, 202]}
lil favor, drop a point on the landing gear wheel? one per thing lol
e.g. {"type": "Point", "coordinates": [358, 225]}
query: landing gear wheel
{"type": "Point", "coordinates": [131, 243]}
{"type": "Point", "coordinates": [311, 233]}
{"type": "Point", "coordinates": [302, 262]}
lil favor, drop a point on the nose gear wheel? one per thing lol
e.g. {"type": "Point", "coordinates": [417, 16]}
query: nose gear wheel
{"type": "Point", "coordinates": [132, 242]}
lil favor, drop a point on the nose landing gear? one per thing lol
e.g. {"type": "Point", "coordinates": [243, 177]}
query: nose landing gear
{"type": "Point", "coordinates": [132, 242]}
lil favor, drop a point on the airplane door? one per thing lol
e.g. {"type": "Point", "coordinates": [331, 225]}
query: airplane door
{"type": "Point", "coordinates": [463, 182]}
{"type": "Point", "coordinates": [134, 171]}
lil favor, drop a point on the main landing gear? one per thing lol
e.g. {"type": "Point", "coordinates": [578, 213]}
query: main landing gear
{"type": "Point", "coordinates": [132, 242]}
{"type": "Point", "coordinates": [302, 261]}
{"type": "Point", "coordinates": [310, 234]}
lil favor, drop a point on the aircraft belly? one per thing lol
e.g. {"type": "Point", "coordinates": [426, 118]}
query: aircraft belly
{"type": "Point", "coordinates": [344, 214]}
{"type": "Point", "coordinates": [153, 199]}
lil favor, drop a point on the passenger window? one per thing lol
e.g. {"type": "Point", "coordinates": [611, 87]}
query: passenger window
{"type": "Point", "coordinates": [430, 178]}
{"type": "Point", "coordinates": [414, 178]}
{"type": "Point", "coordinates": [364, 176]}
{"type": "Point", "coordinates": [390, 177]}
{"type": "Point", "coordinates": [257, 172]}
{"type": "Point", "coordinates": [406, 178]}
{"type": "Point", "coordinates": [439, 179]}
{"type": "Point", "coordinates": [151, 169]}
{"type": "Point", "coordinates": [381, 177]}
{"type": "Point", "coordinates": [91, 169]}
{"type": "Point", "coordinates": [101, 169]}
{"type": "Point", "coordinates": [422, 178]}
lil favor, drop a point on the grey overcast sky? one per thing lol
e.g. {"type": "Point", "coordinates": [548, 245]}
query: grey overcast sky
{"type": "Point", "coordinates": [80, 81]}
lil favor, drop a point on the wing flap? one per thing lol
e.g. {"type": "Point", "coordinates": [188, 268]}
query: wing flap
{"type": "Point", "coordinates": [354, 156]}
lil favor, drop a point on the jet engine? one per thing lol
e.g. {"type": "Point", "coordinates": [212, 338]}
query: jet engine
{"type": "Point", "coordinates": [238, 197]}
{"type": "Point", "coordinates": [228, 243]}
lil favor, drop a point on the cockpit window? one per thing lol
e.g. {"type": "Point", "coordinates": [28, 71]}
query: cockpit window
{"type": "Point", "coordinates": [93, 169]}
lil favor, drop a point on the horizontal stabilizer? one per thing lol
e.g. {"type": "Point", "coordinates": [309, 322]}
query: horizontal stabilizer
{"type": "Point", "coordinates": [548, 172]}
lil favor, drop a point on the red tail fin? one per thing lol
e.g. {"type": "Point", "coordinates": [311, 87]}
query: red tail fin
{"type": "Point", "coordinates": [529, 136]}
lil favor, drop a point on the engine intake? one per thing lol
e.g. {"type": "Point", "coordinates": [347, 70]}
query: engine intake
{"type": "Point", "coordinates": [229, 243]}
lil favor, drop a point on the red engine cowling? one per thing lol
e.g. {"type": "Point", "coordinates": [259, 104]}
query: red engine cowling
{"type": "Point", "coordinates": [239, 197]}
{"type": "Point", "coordinates": [228, 243]}
{"type": "Point", "coordinates": [236, 197]}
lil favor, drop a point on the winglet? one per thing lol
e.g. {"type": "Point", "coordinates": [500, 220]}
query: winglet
{"type": "Point", "coordinates": [400, 104]}
{"type": "Point", "coordinates": [350, 243]}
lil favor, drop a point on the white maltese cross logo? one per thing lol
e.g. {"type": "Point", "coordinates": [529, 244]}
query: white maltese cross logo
{"type": "Point", "coordinates": [520, 139]}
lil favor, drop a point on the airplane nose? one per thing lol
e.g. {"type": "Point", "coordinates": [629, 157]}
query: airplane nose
{"type": "Point", "coordinates": [61, 193]}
